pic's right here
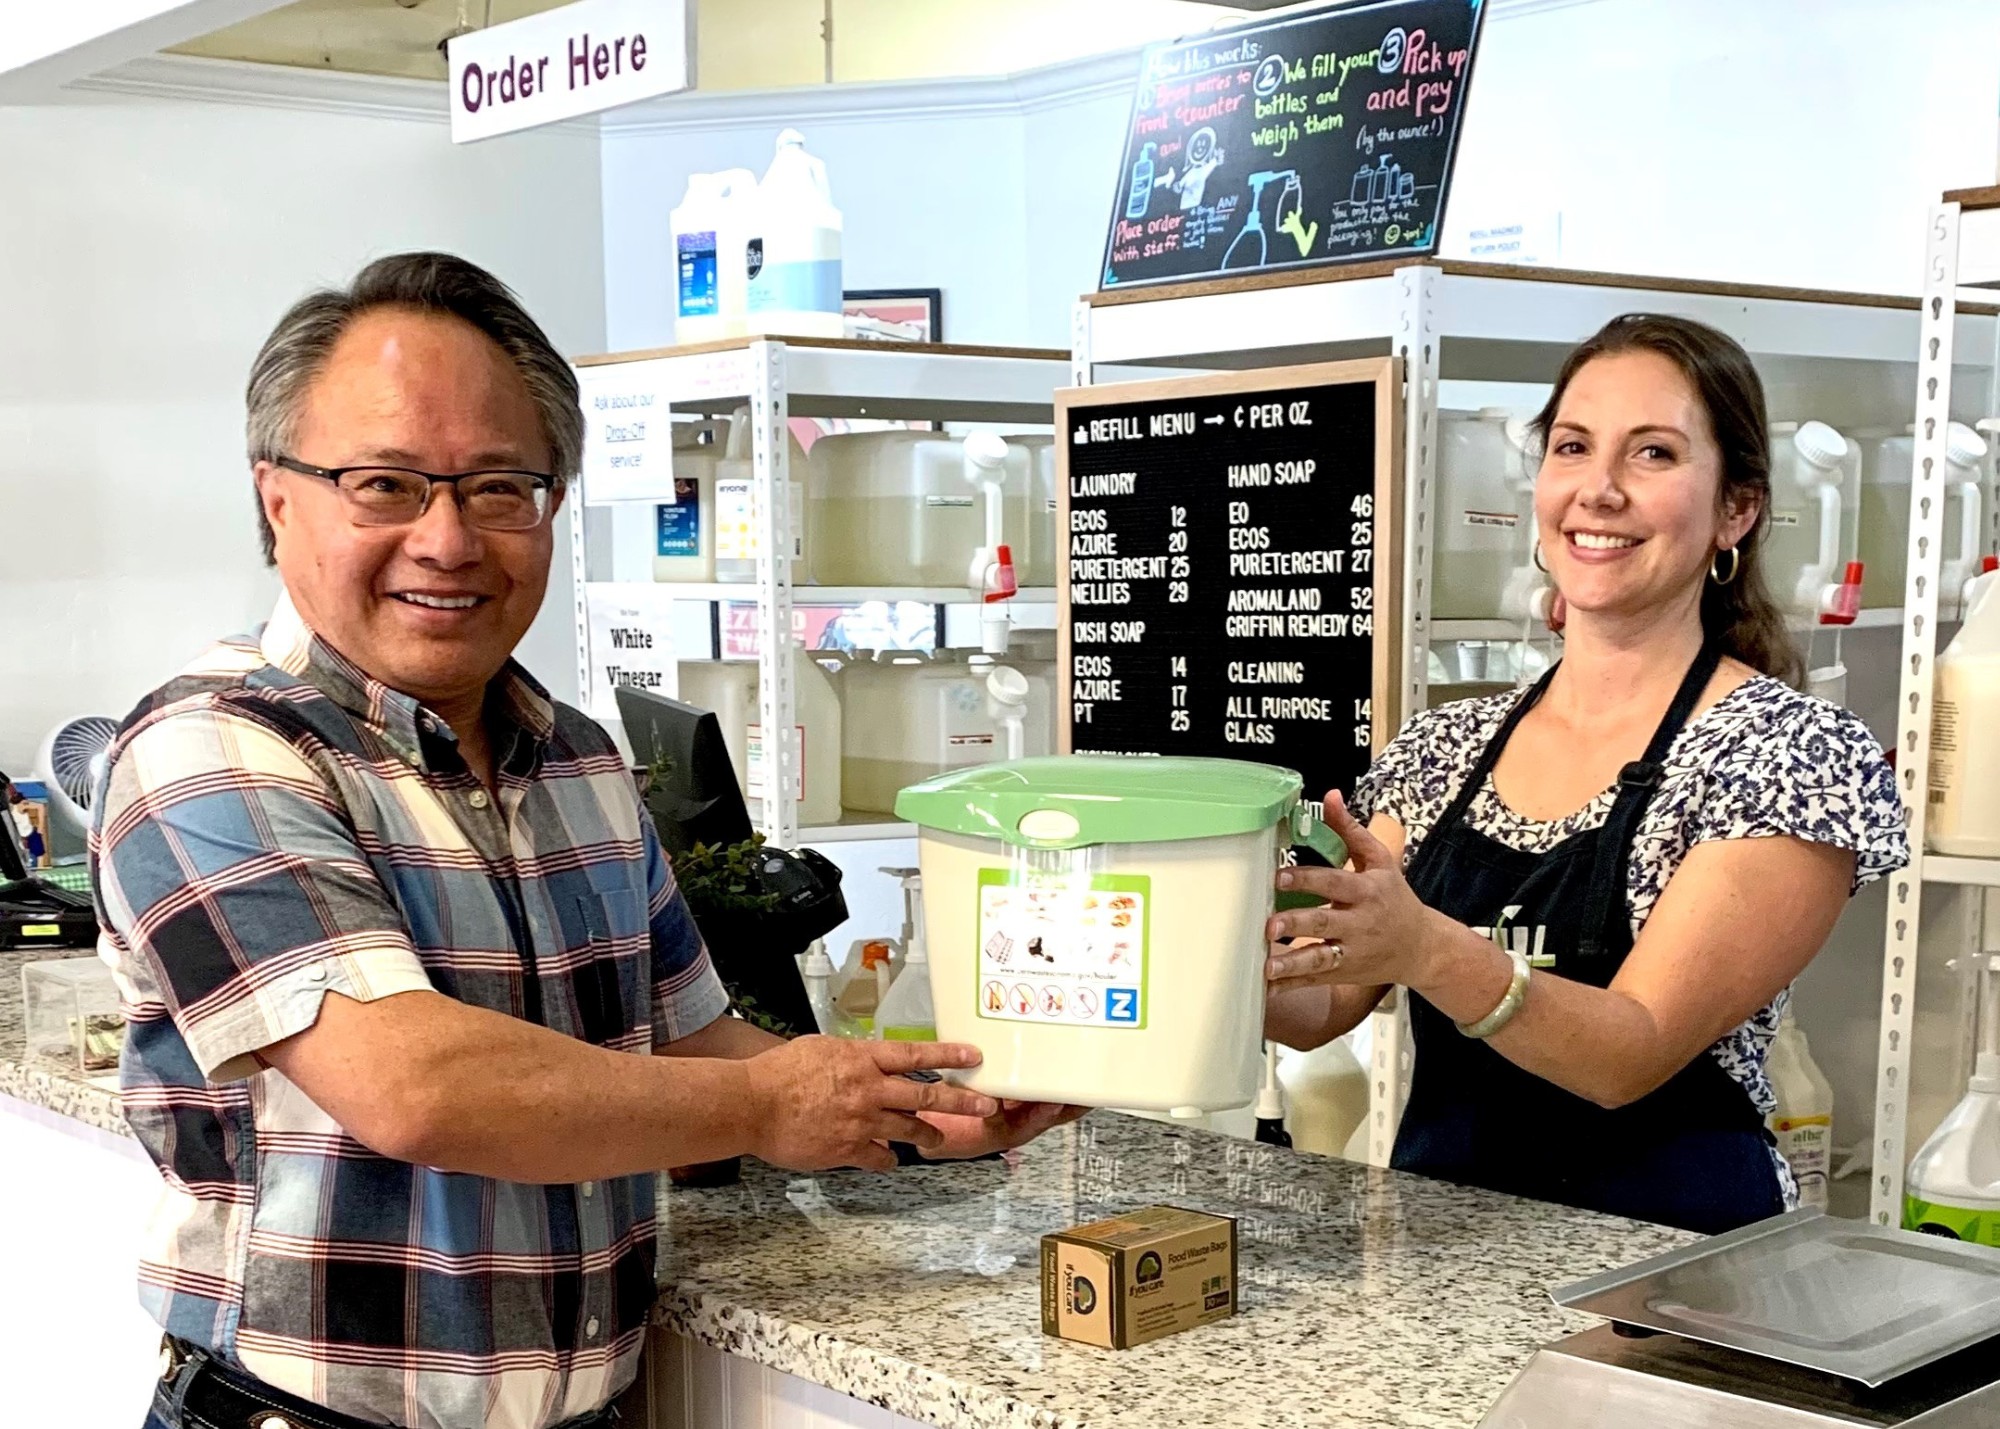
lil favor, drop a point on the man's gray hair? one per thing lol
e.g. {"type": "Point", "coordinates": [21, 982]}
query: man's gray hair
{"type": "Point", "coordinates": [299, 346]}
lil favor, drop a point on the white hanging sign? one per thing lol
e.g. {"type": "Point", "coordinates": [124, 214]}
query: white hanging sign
{"type": "Point", "coordinates": [576, 59]}
{"type": "Point", "coordinates": [628, 441]}
{"type": "Point", "coordinates": [631, 642]}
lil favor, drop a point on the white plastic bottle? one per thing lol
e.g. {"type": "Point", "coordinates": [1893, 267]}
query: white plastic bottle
{"type": "Point", "coordinates": [907, 1013]}
{"type": "Point", "coordinates": [1803, 1119]}
{"type": "Point", "coordinates": [730, 689]}
{"type": "Point", "coordinates": [736, 526]}
{"type": "Point", "coordinates": [1326, 1096]}
{"type": "Point", "coordinates": [1964, 814]}
{"type": "Point", "coordinates": [792, 255]}
{"type": "Point", "coordinates": [697, 281]}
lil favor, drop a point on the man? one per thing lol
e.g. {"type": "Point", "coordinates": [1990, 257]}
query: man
{"type": "Point", "coordinates": [391, 926]}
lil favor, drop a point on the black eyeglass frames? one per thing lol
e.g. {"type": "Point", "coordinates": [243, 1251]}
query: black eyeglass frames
{"type": "Point", "coordinates": [500, 500]}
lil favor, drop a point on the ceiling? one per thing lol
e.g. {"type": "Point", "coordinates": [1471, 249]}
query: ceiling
{"type": "Point", "coordinates": [741, 44]}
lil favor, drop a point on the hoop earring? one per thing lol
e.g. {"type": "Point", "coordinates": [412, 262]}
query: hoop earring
{"type": "Point", "coordinates": [1540, 565]}
{"type": "Point", "coordinates": [1735, 564]}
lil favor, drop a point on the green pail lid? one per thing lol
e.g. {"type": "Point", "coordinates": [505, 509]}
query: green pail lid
{"type": "Point", "coordinates": [1072, 800]}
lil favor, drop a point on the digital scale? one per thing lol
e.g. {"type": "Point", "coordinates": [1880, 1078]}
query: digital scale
{"type": "Point", "coordinates": [1798, 1321]}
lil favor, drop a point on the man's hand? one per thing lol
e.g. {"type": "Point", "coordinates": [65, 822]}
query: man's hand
{"type": "Point", "coordinates": [820, 1102]}
{"type": "Point", "coordinates": [1015, 1124]}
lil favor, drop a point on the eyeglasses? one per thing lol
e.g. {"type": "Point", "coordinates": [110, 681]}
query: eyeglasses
{"type": "Point", "coordinates": [398, 495]}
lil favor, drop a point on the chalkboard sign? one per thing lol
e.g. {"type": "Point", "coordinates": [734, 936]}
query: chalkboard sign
{"type": "Point", "coordinates": [1322, 138]}
{"type": "Point", "coordinates": [1231, 583]}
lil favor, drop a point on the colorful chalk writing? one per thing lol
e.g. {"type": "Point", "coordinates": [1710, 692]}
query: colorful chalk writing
{"type": "Point", "coordinates": [1325, 137]}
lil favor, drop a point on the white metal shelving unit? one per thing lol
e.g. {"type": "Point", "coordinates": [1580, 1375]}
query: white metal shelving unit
{"type": "Point", "coordinates": [1477, 323]}
{"type": "Point", "coordinates": [782, 378]}
{"type": "Point", "coordinates": [1961, 267]}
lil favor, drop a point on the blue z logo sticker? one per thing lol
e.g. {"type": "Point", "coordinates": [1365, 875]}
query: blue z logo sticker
{"type": "Point", "coordinates": [1121, 1004]}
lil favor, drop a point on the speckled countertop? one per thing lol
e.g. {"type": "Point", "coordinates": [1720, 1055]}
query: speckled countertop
{"type": "Point", "coordinates": [1369, 1298]}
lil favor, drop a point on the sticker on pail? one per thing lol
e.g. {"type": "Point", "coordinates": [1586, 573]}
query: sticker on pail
{"type": "Point", "coordinates": [1066, 948]}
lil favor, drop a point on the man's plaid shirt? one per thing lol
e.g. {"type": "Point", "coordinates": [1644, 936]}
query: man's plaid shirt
{"type": "Point", "coordinates": [275, 825]}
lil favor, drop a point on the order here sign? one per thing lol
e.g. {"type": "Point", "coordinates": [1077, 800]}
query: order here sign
{"type": "Point", "coordinates": [575, 59]}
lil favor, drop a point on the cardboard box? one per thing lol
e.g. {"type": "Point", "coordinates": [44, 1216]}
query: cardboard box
{"type": "Point", "coordinates": [1138, 1277]}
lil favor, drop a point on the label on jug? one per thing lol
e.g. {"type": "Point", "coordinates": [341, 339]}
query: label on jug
{"type": "Point", "coordinates": [1806, 1144]}
{"type": "Point", "coordinates": [679, 525]}
{"type": "Point", "coordinates": [1950, 1222]}
{"type": "Point", "coordinates": [697, 274]}
{"type": "Point", "coordinates": [1503, 520]}
{"type": "Point", "coordinates": [1065, 948]}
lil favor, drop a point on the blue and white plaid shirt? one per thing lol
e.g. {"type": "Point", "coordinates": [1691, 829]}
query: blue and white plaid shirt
{"type": "Point", "coordinates": [274, 826]}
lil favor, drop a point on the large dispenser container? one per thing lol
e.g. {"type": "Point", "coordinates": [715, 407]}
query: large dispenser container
{"type": "Point", "coordinates": [1041, 549]}
{"type": "Point", "coordinates": [1964, 785]}
{"type": "Point", "coordinates": [1097, 924]}
{"type": "Point", "coordinates": [1815, 514]}
{"type": "Point", "coordinates": [1483, 564]}
{"type": "Point", "coordinates": [895, 508]}
{"type": "Point", "coordinates": [909, 716]}
{"type": "Point", "coordinates": [730, 688]}
{"type": "Point", "coordinates": [1886, 468]}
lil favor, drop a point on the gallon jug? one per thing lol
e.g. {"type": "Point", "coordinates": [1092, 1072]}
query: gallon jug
{"type": "Point", "coordinates": [1815, 514]}
{"type": "Point", "coordinates": [1953, 1188]}
{"type": "Point", "coordinates": [736, 524]}
{"type": "Point", "coordinates": [1483, 566]}
{"type": "Point", "coordinates": [910, 716]}
{"type": "Point", "coordinates": [894, 508]}
{"type": "Point", "coordinates": [1326, 1096]}
{"type": "Point", "coordinates": [1964, 813]}
{"type": "Point", "coordinates": [683, 534]}
{"type": "Point", "coordinates": [1803, 1120]}
{"type": "Point", "coordinates": [1887, 465]}
{"type": "Point", "coordinates": [730, 689]}
{"type": "Point", "coordinates": [1096, 924]}
{"type": "Point", "coordinates": [792, 258]}
{"type": "Point", "coordinates": [707, 234]}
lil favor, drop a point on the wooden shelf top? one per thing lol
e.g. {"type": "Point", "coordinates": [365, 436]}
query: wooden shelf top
{"type": "Point", "coordinates": [837, 344]}
{"type": "Point", "coordinates": [1516, 272]}
{"type": "Point", "coordinates": [1988, 197]}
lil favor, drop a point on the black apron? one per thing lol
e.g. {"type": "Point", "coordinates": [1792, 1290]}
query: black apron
{"type": "Point", "coordinates": [1693, 1153]}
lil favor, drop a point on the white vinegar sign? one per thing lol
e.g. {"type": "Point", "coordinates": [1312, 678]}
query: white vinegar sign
{"type": "Point", "coordinates": [575, 59]}
{"type": "Point", "coordinates": [631, 643]}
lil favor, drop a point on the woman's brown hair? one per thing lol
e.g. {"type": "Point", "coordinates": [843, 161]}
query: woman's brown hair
{"type": "Point", "coordinates": [1741, 616]}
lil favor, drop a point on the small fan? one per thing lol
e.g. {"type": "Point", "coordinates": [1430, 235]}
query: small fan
{"type": "Point", "coordinates": [71, 761]}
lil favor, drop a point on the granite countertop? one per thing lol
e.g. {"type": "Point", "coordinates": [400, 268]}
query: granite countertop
{"type": "Point", "coordinates": [93, 1101]}
{"type": "Point", "coordinates": [1368, 1298]}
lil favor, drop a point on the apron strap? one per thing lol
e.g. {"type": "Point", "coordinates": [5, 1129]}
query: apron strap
{"type": "Point", "coordinates": [1469, 789]}
{"type": "Point", "coordinates": [1637, 782]}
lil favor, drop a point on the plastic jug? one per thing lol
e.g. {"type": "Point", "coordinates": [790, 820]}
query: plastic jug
{"type": "Point", "coordinates": [1886, 469]}
{"type": "Point", "coordinates": [894, 508]}
{"type": "Point", "coordinates": [1964, 812]}
{"type": "Point", "coordinates": [910, 716]}
{"type": "Point", "coordinates": [1038, 549]}
{"type": "Point", "coordinates": [1953, 1187]}
{"type": "Point", "coordinates": [1803, 1120]}
{"type": "Point", "coordinates": [792, 258]}
{"type": "Point", "coordinates": [1483, 565]}
{"type": "Point", "coordinates": [1326, 1096]}
{"type": "Point", "coordinates": [1815, 514]}
{"type": "Point", "coordinates": [736, 524]}
{"type": "Point", "coordinates": [683, 534]}
{"type": "Point", "coordinates": [730, 689]}
{"type": "Point", "coordinates": [708, 240]}
{"type": "Point", "coordinates": [905, 1013]}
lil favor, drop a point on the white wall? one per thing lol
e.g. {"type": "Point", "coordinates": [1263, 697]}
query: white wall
{"type": "Point", "coordinates": [1795, 142]}
{"type": "Point", "coordinates": [147, 245]}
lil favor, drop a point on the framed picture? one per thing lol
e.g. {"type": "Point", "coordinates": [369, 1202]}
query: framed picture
{"type": "Point", "coordinates": [900, 314]}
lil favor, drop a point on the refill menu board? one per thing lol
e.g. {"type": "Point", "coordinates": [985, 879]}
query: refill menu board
{"type": "Point", "coordinates": [1321, 138]}
{"type": "Point", "coordinates": [1231, 582]}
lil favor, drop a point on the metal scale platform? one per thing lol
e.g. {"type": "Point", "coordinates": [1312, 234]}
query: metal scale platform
{"type": "Point", "coordinates": [1798, 1321]}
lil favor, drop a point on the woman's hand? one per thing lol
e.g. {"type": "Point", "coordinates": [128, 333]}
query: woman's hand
{"type": "Point", "coordinates": [1373, 929]}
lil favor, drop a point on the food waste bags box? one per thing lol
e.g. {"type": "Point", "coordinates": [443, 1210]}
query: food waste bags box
{"type": "Point", "coordinates": [1138, 1277]}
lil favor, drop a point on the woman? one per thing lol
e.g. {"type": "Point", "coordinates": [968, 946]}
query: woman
{"type": "Point", "coordinates": [1599, 890]}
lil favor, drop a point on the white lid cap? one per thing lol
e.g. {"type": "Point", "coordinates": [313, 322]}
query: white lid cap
{"type": "Point", "coordinates": [1820, 445]}
{"type": "Point", "coordinates": [1963, 446]}
{"type": "Point", "coordinates": [818, 964]}
{"type": "Point", "coordinates": [985, 451]}
{"type": "Point", "coordinates": [1495, 414]}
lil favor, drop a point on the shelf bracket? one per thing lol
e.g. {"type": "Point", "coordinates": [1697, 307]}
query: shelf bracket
{"type": "Point", "coordinates": [777, 701]}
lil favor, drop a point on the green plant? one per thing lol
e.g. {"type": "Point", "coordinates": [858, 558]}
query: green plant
{"type": "Point", "coordinates": [720, 878]}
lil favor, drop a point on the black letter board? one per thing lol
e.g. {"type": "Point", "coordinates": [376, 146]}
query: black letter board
{"type": "Point", "coordinates": [1231, 582]}
{"type": "Point", "coordinates": [1319, 139]}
